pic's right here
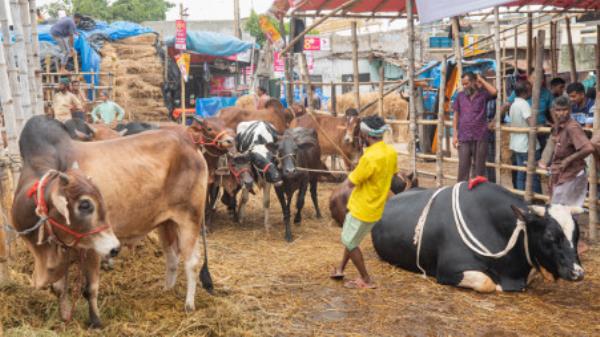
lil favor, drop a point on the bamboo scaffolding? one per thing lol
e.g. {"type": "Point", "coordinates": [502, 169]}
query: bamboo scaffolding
{"type": "Point", "coordinates": [411, 85]}
{"type": "Point", "coordinates": [355, 66]}
{"type": "Point", "coordinates": [381, 87]}
{"type": "Point", "coordinates": [529, 54]}
{"type": "Point", "coordinates": [32, 60]}
{"type": "Point", "coordinates": [537, 87]}
{"type": "Point", "coordinates": [36, 56]}
{"type": "Point", "coordinates": [498, 118]}
{"type": "Point", "coordinates": [457, 49]}
{"type": "Point", "coordinates": [439, 151]}
{"type": "Point", "coordinates": [593, 168]}
{"type": "Point", "coordinates": [21, 56]}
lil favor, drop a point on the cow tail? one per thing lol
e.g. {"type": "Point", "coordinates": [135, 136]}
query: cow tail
{"type": "Point", "coordinates": [205, 277]}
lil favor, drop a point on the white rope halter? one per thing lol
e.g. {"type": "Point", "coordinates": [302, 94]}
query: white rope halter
{"type": "Point", "coordinates": [463, 230]}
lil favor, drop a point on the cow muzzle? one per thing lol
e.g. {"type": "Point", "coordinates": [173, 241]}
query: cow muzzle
{"type": "Point", "coordinates": [577, 273]}
{"type": "Point", "coordinates": [226, 142]}
{"type": "Point", "coordinates": [106, 244]}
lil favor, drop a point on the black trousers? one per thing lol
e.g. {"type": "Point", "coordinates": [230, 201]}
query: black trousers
{"type": "Point", "coordinates": [471, 154]}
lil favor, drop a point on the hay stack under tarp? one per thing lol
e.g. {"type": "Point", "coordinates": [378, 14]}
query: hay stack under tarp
{"type": "Point", "coordinates": [138, 71]}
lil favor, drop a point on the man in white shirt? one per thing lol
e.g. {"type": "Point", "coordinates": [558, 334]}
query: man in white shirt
{"type": "Point", "coordinates": [520, 115]}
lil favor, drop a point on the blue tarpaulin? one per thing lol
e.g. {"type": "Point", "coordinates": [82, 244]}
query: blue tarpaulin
{"type": "Point", "coordinates": [213, 44]}
{"type": "Point", "coordinates": [89, 58]}
{"type": "Point", "coordinates": [207, 107]}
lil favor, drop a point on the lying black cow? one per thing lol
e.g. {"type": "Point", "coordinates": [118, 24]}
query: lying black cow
{"type": "Point", "coordinates": [491, 213]}
{"type": "Point", "coordinates": [133, 128]}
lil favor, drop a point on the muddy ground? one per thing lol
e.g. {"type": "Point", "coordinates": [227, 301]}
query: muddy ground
{"type": "Point", "coordinates": [267, 287]}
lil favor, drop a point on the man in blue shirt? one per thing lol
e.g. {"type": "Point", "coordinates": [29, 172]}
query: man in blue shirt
{"type": "Point", "coordinates": [581, 106]}
{"type": "Point", "coordinates": [63, 33]}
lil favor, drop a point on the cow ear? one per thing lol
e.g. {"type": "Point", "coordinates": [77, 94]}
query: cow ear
{"type": "Point", "coordinates": [576, 210]}
{"type": "Point", "coordinates": [82, 136]}
{"type": "Point", "coordinates": [519, 213]}
{"type": "Point", "coordinates": [61, 204]}
{"type": "Point", "coordinates": [538, 210]}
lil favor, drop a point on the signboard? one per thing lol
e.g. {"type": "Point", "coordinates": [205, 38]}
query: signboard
{"type": "Point", "coordinates": [180, 35]}
{"type": "Point", "coordinates": [316, 43]}
{"type": "Point", "coordinates": [475, 49]}
{"type": "Point", "coordinates": [183, 63]}
{"type": "Point", "coordinates": [218, 84]}
{"type": "Point", "coordinates": [432, 10]}
{"type": "Point", "coordinates": [270, 31]}
{"type": "Point", "coordinates": [279, 63]}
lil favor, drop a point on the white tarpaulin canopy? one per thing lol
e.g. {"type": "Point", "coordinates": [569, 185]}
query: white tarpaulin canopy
{"type": "Point", "coordinates": [432, 10]}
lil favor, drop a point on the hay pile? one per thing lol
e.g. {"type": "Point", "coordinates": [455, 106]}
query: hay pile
{"type": "Point", "coordinates": [267, 287]}
{"type": "Point", "coordinates": [246, 102]}
{"type": "Point", "coordinates": [139, 73]}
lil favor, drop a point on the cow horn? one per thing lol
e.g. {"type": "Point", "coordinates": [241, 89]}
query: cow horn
{"type": "Point", "coordinates": [61, 204]}
{"type": "Point", "coordinates": [538, 210]}
{"type": "Point", "coordinates": [576, 210]}
{"type": "Point", "coordinates": [122, 132]}
{"type": "Point", "coordinates": [75, 166]}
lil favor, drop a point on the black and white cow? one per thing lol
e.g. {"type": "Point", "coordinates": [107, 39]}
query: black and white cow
{"type": "Point", "coordinates": [258, 140]}
{"type": "Point", "coordinates": [491, 213]}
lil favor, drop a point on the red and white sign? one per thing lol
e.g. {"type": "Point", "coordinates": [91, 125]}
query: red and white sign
{"type": "Point", "coordinates": [316, 43]}
{"type": "Point", "coordinates": [279, 63]}
{"type": "Point", "coordinates": [180, 35]}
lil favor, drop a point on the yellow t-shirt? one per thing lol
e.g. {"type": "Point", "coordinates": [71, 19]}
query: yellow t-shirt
{"type": "Point", "coordinates": [372, 178]}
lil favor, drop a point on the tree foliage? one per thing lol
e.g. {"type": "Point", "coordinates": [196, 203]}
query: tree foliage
{"type": "Point", "coordinates": [126, 10]}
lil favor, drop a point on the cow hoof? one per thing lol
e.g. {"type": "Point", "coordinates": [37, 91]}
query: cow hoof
{"type": "Point", "coordinates": [288, 238]}
{"type": "Point", "coordinates": [190, 307]}
{"type": "Point", "coordinates": [297, 220]}
{"type": "Point", "coordinates": [319, 216]}
{"type": "Point", "coordinates": [95, 324]}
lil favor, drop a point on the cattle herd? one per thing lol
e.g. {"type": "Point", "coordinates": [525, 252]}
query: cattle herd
{"type": "Point", "coordinates": [86, 190]}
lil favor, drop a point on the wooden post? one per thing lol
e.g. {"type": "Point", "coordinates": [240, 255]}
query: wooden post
{"type": "Point", "coordinates": [355, 66]}
{"type": "Point", "coordinates": [333, 99]}
{"type": "Point", "coordinates": [516, 51]}
{"type": "Point", "coordinates": [411, 87]}
{"type": "Point", "coordinates": [21, 56]}
{"type": "Point", "coordinates": [289, 67]}
{"type": "Point", "coordinates": [593, 168]}
{"type": "Point", "coordinates": [31, 60]}
{"type": "Point", "coordinates": [573, 67]}
{"type": "Point", "coordinates": [13, 75]}
{"type": "Point", "coordinates": [36, 56]}
{"type": "Point", "coordinates": [439, 151]}
{"type": "Point", "coordinates": [381, 86]}
{"type": "Point", "coordinates": [529, 55]}
{"type": "Point", "coordinates": [457, 49]}
{"type": "Point", "coordinates": [8, 106]}
{"type": "Point", "coordinates": [553, 60]}
{"type": "Point", "coordinates": [499, 77]}
{"type": "Point", "coordinates": [237, 31]}
{"type": "Point", "coordinates": [306, 80]}
{"type": "Point", "coordinates": [537, 87]}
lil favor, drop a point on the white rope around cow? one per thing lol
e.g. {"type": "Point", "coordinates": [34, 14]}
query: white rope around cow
{"type": "Point", "coordinates": [463, 230]}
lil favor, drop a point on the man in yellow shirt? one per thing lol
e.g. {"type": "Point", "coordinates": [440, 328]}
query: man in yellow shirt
{"type": "Point", "coordinates": [371, 181]}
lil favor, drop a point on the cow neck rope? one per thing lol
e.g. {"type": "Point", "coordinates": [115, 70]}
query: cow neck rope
{"type": "Point", "coordinates": [465, 234]}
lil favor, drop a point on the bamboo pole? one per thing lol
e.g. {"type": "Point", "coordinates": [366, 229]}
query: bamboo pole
{"type": "Point", "coordinates": [498, 118]}
{"type": "Point", "coordinates": [439, 151]}
{"type": "Point", "coordinates": [381, 87]}
{"type": "Point", "coordinates": [593, 168]}
{"type": "Point", "coordinates": [36, 56]}
{"type": "Point", "coordinates": [334, 111]}
{"type": "Point", "coordinates": [553, 60]}
{"type": "Point", "coordinates": [537, 87]}
{"type": "Point", "coordinates": [529, 53]}
{"type": "Point", "coordinates": [306, 75]}
{"type": "Point", "coordinates": [355, 66]}
{"type": "Point", "coordinates": [13, 76]}
{"type": "Point", "coordinates": [8, 106]}
{"type": "Point", "coordinates": [573, 67]}
{"type": "Point", "coordinates": [411, 86]}
{"type": "Point", "coordinates": [31, 59]}
{"type": "Point", "coordinates": [317, 22]}
{"type": "Point", "coordinates": [457, 49]}
{"type": "Point", "coordinates": [516, 51]}
{"type": "Point", "coordinates": [21, 55]}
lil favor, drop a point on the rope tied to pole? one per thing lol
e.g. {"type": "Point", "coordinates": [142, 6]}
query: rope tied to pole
{"type": "Point", "coordinates": [467, 237]}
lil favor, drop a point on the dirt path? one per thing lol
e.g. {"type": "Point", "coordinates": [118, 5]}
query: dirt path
{"type": "Point", "coordinates": [266, 287]}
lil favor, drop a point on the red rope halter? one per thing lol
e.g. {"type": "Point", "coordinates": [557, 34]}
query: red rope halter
{"type": "Point", "coordinates": [37, 192]}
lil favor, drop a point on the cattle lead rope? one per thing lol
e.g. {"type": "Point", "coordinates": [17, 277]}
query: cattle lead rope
{"type": "Point", "coordinates": [465, 234]}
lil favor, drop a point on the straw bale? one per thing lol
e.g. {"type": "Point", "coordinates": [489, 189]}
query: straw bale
{"type": "Point", "coordinates": [144, 39]}
{"type": "Point", "coordinates": [246, 102]}
{"type": "Point", "coordinates": [394, 106]}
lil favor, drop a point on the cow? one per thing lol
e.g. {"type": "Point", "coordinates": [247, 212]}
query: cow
{"type": "Point", "coordinates": [335, 134]}
{"type": "Point", "coordinates": [257, 139]}
{"type": "Point", "coordinates": [339, 196]}
{"type": "Point", "coordinates": [298, 149]}
{"type": "Point", "coordinates": [60, 214]}
{"type": "Point", "coordinates": [273, 113]}
{"type": "Point", "coordinates": [154, 180]}
{"type": "Point", "coordinates": [133, 128]}
{"type": "Point", "coordinates": [497, 244]}
{"type": "Point", "coordinates": [80, 130]}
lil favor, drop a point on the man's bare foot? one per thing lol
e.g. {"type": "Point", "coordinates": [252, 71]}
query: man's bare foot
{"type": "Point", "coordinates": [336, 274]}
{"type": "Point", "coordinates": [359, 283]}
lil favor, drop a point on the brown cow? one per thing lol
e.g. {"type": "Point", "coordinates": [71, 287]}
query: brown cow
{"type": "Point", "coordinates": [77, 227]}
{"type": "Point", "coordinates": [335, 133]}
{"type": "Point", "coordinates": [273, 113]}
{"type": "Point", "coordinates": [339, 197]}
{"type": "Point", "coordinates": [82, 131]}
{"type": "Point", "coordinates": [154, 180]}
